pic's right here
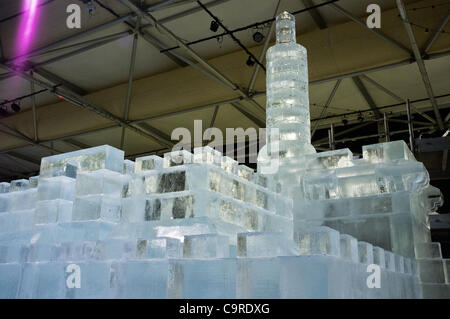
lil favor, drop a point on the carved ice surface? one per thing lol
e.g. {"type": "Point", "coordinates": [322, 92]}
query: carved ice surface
{"type": "Point", "coordinates": [199, 225]}
{"type": "Point", "coordinates": [69, 164]}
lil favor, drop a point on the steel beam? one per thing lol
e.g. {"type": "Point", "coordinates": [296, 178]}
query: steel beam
{"type": "Point", "coordinates": [130, 86]}
{"type": "Point", "coordinates": [356, 138]}
{"type": "Point", "coordinates": [374, 31]}
{"type": "Point", "coordinates": [70, 38]}
{"type": "Point", "coordinates": [366, 95]}
{"type": "Point", "coordinates": [436, 33]}
{"type": "Point", "coordinates": [181, 43]}
{"type": "Point", "coordinates": [386, 128]}
{"type": "Point", "coordinates": [420, 63]}
{"type": "Point", "coordinates": [83, 49]}
{"type": "Point", "coordinates": [231, 34]}
{"type": "Point", "coordinates": [410, 126]}
{"type": "Point", "coordinates": [25, 158]}
{"type": "Point", "coordinates": [327, 104]}
{"type": "Point", "coordinates": [357, 127]}
{"type": "Point", "coordinates": [209, 69]}
{"type": "Point", "coordinates": [78, 100]}
{"type": "Point", "coordinates": [33, 108]}
{"type": "Point", "coordinates": [251, 84]}
{"type": "Point", "coordinates": [315, 14]}
{"type": "Point", "coordinates": [251, 117]}
{"type": "Point", "coordinates": [21, 136]}
{"type": "Point", "coordinates": [213, 118]}
{"type": "Point", "coordinates": [76, 143]}
{"type": "Point", "coordinates": [395, 96]}
{"type": "Point", "coordinates": [58, 80]}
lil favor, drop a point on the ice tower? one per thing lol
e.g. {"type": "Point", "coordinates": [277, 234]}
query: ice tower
{"type": "Point", "coordinates": [199, 225]}
{"type": "Point", "coordinates": [287, 91]}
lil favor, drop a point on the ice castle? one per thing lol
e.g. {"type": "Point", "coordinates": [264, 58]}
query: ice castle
{"type": "Point", "coordinates": [198, 225]}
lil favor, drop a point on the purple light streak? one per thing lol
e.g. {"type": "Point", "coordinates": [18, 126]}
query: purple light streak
{"type": "Point", "coordinates": [27, 26]}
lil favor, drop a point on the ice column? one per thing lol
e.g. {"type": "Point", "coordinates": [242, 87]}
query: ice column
{"type": "Point", "coordinates": [287, 91]}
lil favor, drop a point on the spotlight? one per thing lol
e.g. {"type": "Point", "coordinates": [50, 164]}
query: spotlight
{"type": "Point", "coordinates": [214, 26]}
{"type": "Point", "coordinates": [258, 36]}
{"type": "Point", "coordinates": [360, 118]}
{"type": "Point", "coordinates": [90, 6]}
{"type": "Point", "coordinates": [250, 61]}
{"type": "Point", "coordinates": [345, 121]}
{"type": "Point", "coordinates": [15, 107]}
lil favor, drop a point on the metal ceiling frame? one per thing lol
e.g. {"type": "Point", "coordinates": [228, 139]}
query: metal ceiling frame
{"type": "Point", "coordinates": [420, 63]}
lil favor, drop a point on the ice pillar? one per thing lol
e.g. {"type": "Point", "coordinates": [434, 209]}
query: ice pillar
{"type": "Point", "coordinates": [287, 91]}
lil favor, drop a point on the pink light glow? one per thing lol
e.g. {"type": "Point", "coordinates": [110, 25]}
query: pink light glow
{"type": "Point", "coordinates": [27, 26]}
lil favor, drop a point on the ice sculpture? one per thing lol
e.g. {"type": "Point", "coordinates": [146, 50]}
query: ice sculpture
{"type": "Point", "coordinates": [201, 226]}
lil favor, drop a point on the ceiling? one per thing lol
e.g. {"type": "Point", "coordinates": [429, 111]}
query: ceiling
{"type": "Point", "coordinates": [166, 93]}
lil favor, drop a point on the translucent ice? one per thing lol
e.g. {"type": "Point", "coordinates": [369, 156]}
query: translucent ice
{"type": "Point", "coordinates": [89, 159]}
{"type": "Point", "coordinates": [206, 246]}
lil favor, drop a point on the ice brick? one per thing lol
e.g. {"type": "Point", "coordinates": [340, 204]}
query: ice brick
{"type": "Point", "coordinates": [264, 244]}
{"type": "Point", "coordinates": [97, 207]}
{"type": "Point", "coordinates": [318, 240]}
{"type": "Point", "coordinates": [379, 257]}
{"type": "Point", "coordinates": [447, 270]}
{"type": "Point", "coordinates": [4, 187]}
{"type": "Point", "coordinates": [365, 252]}
{"type": "Point", "coordinates": [428, 250]}
{"type": "Point", "coordinates": [128, 167]}
{"type": "Point", "coordinates": [10, 275]}
{"type": "Point", "coordinates": [90, 159]}
{"type": "Point", "coordinates": [431, 270]}
{"type": "Point", "coordinates": [261, 180]}
{"type": "Point", "coordinates": [115, 249]}
{"type": "Point", "coordinates": [206, 246]}
{"type": "Point", "coordinates": [34, 181]}
{"type": "Point", "coordinates": [19, 185]}
{"type": "Point", "coordinates": [60, 187]}
{"type": "Point", "coordinates": [349, 248]}
{"type": "Point", "coordinates": [163, 247]}
{"type": "Point", "coordinates": [176, 158]}
{"type": "Point", "coordinates": [101, 182]}
{"type": "Point", "coordinates": [399, 264]}
{"type": "Point", "coordinates": [207, 155]}
{"type": "Point", "coordinates": [148, 163]}
{"type": "Point", "coordinates": [435, 291]}
{"type": "Point", "coordinates": [387, 152]}
{"type": "Point", "coordinates": [245, 172]}
{"type": "Point", "coordinates": [140, 279]}
{"type": "Point", "coordinates": [23, 200]}
{"type": "Point", "coordinates": [141, 208]}
{"type": "Point", "coordinates": [229, 165]}
{"type": "Point", "coordinates": [258, 278]}
{"type": "Point", "coordinates": [95, 281]}
{"type": "Point", "coordinates": [5, 200]}
{"type": "Point", "coordinates": [53, 211]}
{"type": "Point", "coordinates": [40, 252]}
{"type": "Point", "coordinates": [213, 278]}
{"type": "Point", "coordinates": [407, 265]}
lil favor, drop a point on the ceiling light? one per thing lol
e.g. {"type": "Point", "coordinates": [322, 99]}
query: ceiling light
{"type": "Point", "coordinates": [250, 61]}
{"type": "Point", "coordinates": [360, 117]}
{"type": "Point", "coordinates": [214, 26]}
{"type": "Point", "coordinates": [15, 107]}
{"type": "Point", "coordinates": [258, 36]}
